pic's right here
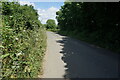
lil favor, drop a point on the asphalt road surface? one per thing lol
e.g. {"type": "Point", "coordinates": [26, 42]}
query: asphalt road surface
{"type": "Point", "coordinates": [70, 58]}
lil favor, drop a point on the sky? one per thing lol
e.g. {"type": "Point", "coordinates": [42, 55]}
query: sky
{"type": "Point", "coordinates": [46, 10]}
{"type": "Point", "coordinates": [44, 0]}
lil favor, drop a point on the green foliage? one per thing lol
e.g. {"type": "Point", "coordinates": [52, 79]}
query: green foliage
{"type": "Point", "coordinates": [97, 23]}
{"type": "Point", "coordinates": [50, 24]}
{"type": "Point", "coordinates": [23, 41]}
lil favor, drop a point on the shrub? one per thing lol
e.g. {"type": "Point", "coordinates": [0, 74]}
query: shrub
{"type": "Point", "coordinates": [23, 45]}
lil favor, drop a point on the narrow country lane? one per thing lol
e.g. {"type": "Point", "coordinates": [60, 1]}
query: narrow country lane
{"type": "Point", "coordinates": [53, 64]}
{"type": "Point", "coordinates": [71, 58]}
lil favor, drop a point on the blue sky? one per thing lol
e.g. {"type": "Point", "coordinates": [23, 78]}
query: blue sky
{"type": "Point", "coordinates": [44, 0]}
{"type": "Point", "coordinates": [46, 10]}
{"type": "Point", "coordinates": [46, 5]}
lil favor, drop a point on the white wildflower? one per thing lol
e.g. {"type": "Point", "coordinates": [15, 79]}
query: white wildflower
{"type": "Point", "coordinates": [17, 66]}
{"type": "Point", "coordinates": [36, 39]}
{"type": "Point", "coordinates": [11, 16]}
{"type": "Point", "coordinates": [16, 38]}
{"type": "Point", "coordinates": [20, 53]}
{"type": "Point", "coordinates": [13, 67]}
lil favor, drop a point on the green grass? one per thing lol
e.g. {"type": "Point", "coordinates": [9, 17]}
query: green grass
{"type": "Point", "coordinates": [53, 30]}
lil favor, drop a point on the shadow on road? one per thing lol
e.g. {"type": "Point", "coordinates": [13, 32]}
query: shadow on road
{"type": "Point", "coordinates": [86, 61]}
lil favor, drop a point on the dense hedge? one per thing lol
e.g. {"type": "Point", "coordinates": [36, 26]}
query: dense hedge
{"type": "Point", "coordinates": [23, 41]}
{"type": "Point", "coordinates": [97, 23]}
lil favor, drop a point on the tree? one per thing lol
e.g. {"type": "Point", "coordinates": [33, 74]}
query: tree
{"type": "Point", "coordinates": [50, 24]}
{"type": "Point", "coordinates": [98, 23]}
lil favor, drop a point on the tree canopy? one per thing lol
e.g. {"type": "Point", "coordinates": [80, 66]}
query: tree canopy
{"type": "Point", "coordinates": [50, 24]}
{"type": "Point", "coordinates": [98, 23]}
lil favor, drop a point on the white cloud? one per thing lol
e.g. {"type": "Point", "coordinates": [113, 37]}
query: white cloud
{"type": "Point", "coordinates": [44, 0]}
{"type": "Point", "coordinates": [27, 2]}
{"type": "Point", "coordinates": [45, 14]}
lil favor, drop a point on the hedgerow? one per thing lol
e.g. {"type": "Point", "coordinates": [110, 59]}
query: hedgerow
{"type": "Point", "coordinates": [95, 23]}
{"type": "Point", "coordinates": [23, 41]}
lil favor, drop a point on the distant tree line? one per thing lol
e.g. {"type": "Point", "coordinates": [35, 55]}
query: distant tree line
{"type": "Point", "coordinates": [50, 25]}
{"type": "Point", "coordinates": [97, 23]}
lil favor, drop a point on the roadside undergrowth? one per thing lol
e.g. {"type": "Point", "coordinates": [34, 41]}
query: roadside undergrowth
{"type": "Point", "coordinates": [23, 41]}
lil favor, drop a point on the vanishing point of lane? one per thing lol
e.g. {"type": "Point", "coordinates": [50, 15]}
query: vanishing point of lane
{"type": "Point", "coordinates": [69, 58]}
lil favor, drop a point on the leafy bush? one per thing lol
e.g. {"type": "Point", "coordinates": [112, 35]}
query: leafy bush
{"type": "Point", "coordinates": [23, 41]}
